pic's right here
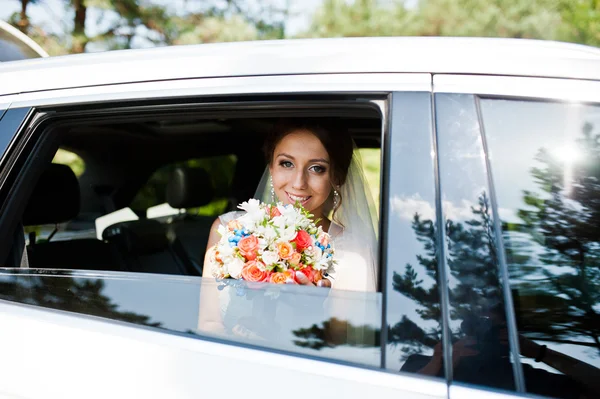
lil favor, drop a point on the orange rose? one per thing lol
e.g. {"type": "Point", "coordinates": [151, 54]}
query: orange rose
{"type": "Point", "coordinates": [252, 271]}
{"type": "Point", "coordinates": [303, 240]}
{"type": "Point", "coordinates": [248, 247]}
{"type": "Point", "coordinates": [295, 259]}
{"type": "Point", "coordinates": [279, 278]}
{"type": "Point", "coordinates": [285, 250]}
{"type": "Point", "coordinates": [234, 225]}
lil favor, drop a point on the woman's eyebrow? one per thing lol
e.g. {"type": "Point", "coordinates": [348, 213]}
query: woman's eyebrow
{"type": "Point", "coordinates": [283, 154]}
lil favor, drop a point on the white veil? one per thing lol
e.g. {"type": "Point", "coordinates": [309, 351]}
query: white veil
{"type": "Point", "coordinates": [354, 229]}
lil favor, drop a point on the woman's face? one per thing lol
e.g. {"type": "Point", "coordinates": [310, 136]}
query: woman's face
{"type": "Point", "coordinates": [300, 171]}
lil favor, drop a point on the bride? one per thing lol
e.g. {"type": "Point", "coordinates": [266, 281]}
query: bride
{"type": "Point", "coordinates": [311, 164]}
{"type": "Point", "coordinates": [317, 166]}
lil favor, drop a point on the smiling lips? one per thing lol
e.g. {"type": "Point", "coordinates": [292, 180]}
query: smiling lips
{"type": "Point", "coordinates": [293, 198]}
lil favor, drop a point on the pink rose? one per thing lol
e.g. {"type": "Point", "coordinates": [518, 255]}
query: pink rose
{"type": "Point", "coordinates": [248, 247]}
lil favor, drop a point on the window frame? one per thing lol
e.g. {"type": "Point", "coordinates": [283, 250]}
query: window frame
{"type": "Point", "coordinates": [34, 135]}
{"type": "Point", "coordinates": [512, 88]}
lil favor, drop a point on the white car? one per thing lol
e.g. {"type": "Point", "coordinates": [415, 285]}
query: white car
{"type": "Point", "coordinates": [485, 157]}
{"type": "Point", "coordinates": [15, 45]}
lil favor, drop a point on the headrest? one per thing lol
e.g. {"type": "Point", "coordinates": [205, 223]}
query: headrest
{"type": "Point", "coordinates": [189, 188]}
{"type": "Point", "coordinates": [137, 237]}
{"type": "Point", "coordinates": [55, 198]}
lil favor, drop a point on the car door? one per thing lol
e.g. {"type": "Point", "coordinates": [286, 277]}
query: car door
{"type": "Point", "coordinates": [117, 334]}
{"type": "Point", "coordinates": [519, 163]}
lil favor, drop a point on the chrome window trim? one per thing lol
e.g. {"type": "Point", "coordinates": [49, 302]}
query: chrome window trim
{"type": "Point", "coordinates": [288, 84]}
{"type": "Point", "coordinates": [571, 90]}
{"type": "Point", "coordinates": [70, 334]}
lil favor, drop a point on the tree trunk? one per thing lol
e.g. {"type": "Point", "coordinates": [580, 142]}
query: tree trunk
{"type": "Point", "coordinates": [80, 40]}
{"type": "Point", "coordinates": [24, 20]}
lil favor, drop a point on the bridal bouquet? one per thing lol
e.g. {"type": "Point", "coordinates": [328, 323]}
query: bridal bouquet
{"type": "Point", "coordinates": [270, 242]}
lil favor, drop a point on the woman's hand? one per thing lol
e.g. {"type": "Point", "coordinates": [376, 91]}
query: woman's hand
{"type": "Point", "coordinates": [303, 280]}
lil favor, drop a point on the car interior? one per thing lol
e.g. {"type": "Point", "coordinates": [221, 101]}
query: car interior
{"type": "Point", "coordinates": [196, 164]}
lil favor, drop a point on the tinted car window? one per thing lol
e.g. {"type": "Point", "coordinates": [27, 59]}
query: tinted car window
{"type": "Point", "coordinates": [12, 49]}
{"type": "Point", "coordinates": [413, 303]}
{"type": "Point", "coordinates": [480, 352]}
{"type": "Point", "coordinates": [332, 324]}
{"type": "Point", "coordinates": [10, 122]}
{"type": "Point", "coordinates": [549, 202]}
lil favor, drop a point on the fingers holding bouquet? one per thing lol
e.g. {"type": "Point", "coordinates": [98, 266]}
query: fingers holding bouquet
{"type": "Point", "coordinates": [303, 279]}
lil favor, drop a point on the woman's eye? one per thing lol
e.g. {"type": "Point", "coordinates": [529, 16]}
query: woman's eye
{"type": "Point", "coordinates": [318, 169]}
{"type": "Point", "coordinates": [286, 164]}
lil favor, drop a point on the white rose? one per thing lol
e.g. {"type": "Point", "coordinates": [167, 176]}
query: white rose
{"type": "Point", "coordinates": [222, 230]}
{"type": "Point", "coordinates": [288, 234]}
{"type": "Point", "coordinates": [270, 257]}
{"type": "Point", "coordinates": [226, 250]}
{"type": "Point", "coordinates": [316, 253]}
{"type": "Point", "coordinates": [234, 267]}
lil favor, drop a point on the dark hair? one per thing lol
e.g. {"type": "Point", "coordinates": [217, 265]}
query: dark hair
{"type": "Point", "coordinates": [333, 136]}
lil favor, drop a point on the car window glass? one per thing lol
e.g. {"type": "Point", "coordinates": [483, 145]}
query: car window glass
{"type": "Point", "coordinates": [549, 202]}
{"type": "Point", "coordinates": [481, 353]}
{"type": "Point", "coordinates": [332, 324]}
{"type": "Point", "coordinates": [13, 49]}
{"type": "Point", "coordinates": [10, 122]}
{"type": "Point", "coordinates": [413, 304]}
{"type": "Point", "coordinates": [150, 253]}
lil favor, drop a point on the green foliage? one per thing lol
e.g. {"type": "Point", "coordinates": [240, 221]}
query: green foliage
{"type": "Point", "coordinates": [70, 159]}
{"type": "Point", "coordinates": [581, 21]}
{"type": "Point", "coordinates": [498, 18]}
{"type": "Point", "coordinates": [371, 161]}
{"type": "Point", "coordinates": [338, 18]}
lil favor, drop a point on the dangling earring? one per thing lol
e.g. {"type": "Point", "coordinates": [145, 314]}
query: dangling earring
{"type": "Point", "coordinates": [336, 199]}
{"type": "Point", "coordinates": [272, 190]}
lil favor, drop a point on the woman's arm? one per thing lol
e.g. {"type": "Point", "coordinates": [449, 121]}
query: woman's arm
{"type": "Point", "coordinates": [209, 312]}
{"type": "Point", "coordinates": [213, 239]}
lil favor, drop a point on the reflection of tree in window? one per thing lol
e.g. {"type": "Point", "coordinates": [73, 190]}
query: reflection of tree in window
{"type": "Point", "coordinates": [69, 294]}
{"type": "Point", "coordinates": [559, 301]}
{"type": "Point", "coordinates": [474, 295]}
{"type": "Point", "coordinates": [472, 261]}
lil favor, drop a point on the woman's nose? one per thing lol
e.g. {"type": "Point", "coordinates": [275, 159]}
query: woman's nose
{"type": "Point", "coordinates": [299, 182]}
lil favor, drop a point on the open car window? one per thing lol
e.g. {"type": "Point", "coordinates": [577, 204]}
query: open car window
{"type": "Point", "coordinates": [148, 190]}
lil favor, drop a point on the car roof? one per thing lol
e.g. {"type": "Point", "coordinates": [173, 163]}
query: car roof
{"type": "Point", "coordinates": [484, 56]}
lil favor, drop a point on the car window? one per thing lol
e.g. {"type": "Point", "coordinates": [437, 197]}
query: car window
{"type": "Point", "coordinates": [341, 325]}
{"type": "Point", "coordinates": [413, 304]}
{"type": "Point", "coordinates": [10, 121]}
{"type": "Point", "coordinates": [477, 321]}
{"type": "Point", "coordinates": [549, 203]}
{"type": "Point", "coordinates": [126, 269]}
